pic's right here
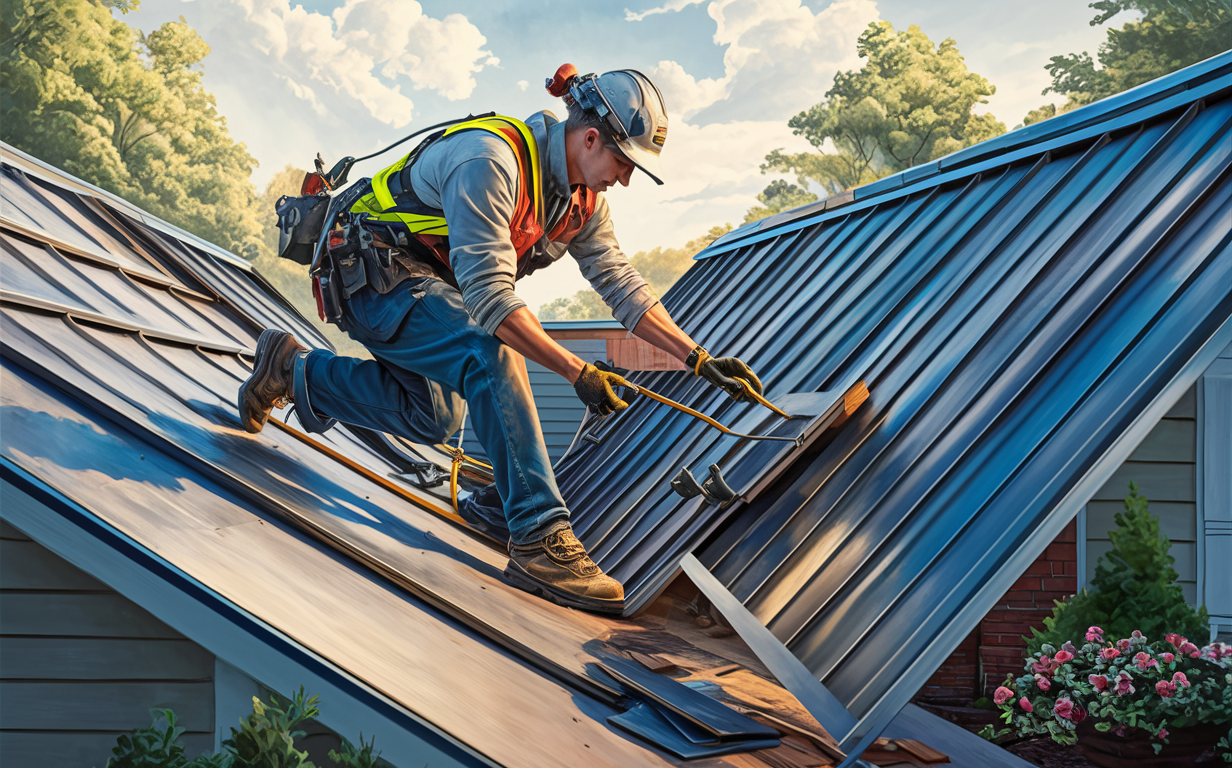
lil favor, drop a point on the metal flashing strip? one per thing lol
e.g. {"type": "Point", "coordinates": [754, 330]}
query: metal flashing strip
{"type": "Point", "coordinates": [240, 639]}
{"type": "Point", "coordinates": [907, 183]}
{"type": "Point", "coordinates": [31, 302]}
{"type": "Point", "coordinates": [791, 674]}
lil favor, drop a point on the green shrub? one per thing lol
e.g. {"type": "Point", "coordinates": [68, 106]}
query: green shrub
{"type": "Point", "coordinates": [265, 739]}
{"type": "Point", "coordinates": [1134, 588]}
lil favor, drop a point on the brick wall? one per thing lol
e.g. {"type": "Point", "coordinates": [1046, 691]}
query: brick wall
{"type": "Point", "coordinates": [995, 648]}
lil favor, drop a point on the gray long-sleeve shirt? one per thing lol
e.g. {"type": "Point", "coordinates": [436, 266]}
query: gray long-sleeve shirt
{"type": "Point", "coordinates": [473, 176]}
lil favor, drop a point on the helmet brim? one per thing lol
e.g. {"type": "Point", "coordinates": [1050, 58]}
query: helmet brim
{"type": "Point", "coordinates": [647, 162]}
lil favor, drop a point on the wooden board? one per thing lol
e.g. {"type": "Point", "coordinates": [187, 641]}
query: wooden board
{"type": "Point", "coordinates": [403, 649]}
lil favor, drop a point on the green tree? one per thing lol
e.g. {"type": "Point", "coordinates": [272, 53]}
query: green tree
{"type": "Point", "coordinates": [661, 267]}
{"type": "Point", "coordinates": [909, 104]}
{"type": "Point", "coordinates": [1134, 588]}
{"type": "Point", "coordinates": [85, 92]}
{"type": "Point", "coordinates": [1170, 35]}
{"type": "Point", "coordinates": [779, 196]}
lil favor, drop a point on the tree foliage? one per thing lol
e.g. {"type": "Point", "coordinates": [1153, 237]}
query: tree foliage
{"type": "Point", "coordinates": [909, 104]}
{"type": "Point", "coordinates": [1170, 35]}
{"type": "Point", "coordinates": [85, 92]}
{"type": "Point", "coordinates": [779, 196]}
{"type": "Point", "coordinates": [661, 267]}
{"type": "Point", "coordinates": [1134, 588]}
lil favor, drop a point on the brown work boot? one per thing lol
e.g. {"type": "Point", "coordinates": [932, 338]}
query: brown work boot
{"type": "Point", "coordinates": [269, 386]}
{"type": "Point", "coordinates": [558, 568]}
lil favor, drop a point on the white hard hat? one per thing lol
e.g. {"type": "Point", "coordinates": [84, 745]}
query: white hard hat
{"type": "Point", "coordinates": [631, 107]}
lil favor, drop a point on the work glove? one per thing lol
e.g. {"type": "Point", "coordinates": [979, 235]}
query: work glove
{"type": "Point", "coordinates": [721, 372]}
{"type": "Point", "coordinates": [596, 388]}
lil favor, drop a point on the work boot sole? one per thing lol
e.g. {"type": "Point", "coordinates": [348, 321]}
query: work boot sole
{"type": "Point", "coordinates": [251, 415]}
{"type": "Point", "coordinates": [519, 578]}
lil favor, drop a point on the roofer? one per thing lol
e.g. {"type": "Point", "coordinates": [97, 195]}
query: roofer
{"type": "Point", "coordinates": [468, 212]}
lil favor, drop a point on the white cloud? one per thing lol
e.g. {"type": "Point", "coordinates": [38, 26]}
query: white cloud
{"type": "Point", "coordinates": [366, 46]}
{"type": "Point", "coordinates": [780, 57]}
{"type": "Point", "coordinates": [672, 5]}
{"type": "Point", "coordinates": [305, 93]}
{"type": "Point", "coordinates": [523, 84]}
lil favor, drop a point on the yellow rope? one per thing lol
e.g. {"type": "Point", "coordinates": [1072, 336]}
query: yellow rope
{"type": "Point", "coordinates": [455, 466]}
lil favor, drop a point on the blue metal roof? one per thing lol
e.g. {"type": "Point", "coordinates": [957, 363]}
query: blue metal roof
{"type": "Point", "coordinates": [1021, 313]}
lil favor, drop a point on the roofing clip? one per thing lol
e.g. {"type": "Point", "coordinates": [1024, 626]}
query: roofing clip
{"type": "Point", "coordinates": [423, 474]}
{"type": "Point", "coordinates": [716, 490]}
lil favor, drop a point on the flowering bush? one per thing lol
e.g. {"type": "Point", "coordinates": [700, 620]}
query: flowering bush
{"type": "Point", "coordinates": [1123, 684]}
{"type": "Point", "coordinates": [1134, 587]}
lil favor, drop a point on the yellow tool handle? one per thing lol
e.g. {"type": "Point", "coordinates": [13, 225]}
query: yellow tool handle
{"type": "Point", "coordinates": [754, 395]}
{"type": "Point", "coordinates": [698, 415]}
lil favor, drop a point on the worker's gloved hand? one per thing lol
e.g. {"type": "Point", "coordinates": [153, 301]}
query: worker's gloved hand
{"type": "Point", "coordinates": [597, 389]}
{"type": "Point", "coordinates": [721, 372]}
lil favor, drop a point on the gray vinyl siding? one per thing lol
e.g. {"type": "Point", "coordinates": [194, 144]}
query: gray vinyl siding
{"type": "Point", "coordinates": [1165, 469]}
{"type": "Point", "coordinates": [560, 411]}
{"type": "Point", "coordinates": [80, 664]}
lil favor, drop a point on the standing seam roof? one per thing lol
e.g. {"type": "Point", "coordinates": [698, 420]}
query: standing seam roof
{"type": "Point", "coordinates": [1019, 322]}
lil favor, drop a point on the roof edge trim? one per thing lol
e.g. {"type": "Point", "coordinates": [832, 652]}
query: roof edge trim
{"type": "Point", "coordinates": [789, 670]}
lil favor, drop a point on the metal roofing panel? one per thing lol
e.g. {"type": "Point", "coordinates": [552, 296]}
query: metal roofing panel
{"type": "Point", "coordinates": [1014, 322]}
{"type": "Point", "coordinates": [1204, 80]}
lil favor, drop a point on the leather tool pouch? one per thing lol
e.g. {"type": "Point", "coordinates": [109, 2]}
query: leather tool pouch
{"type": "Point", "coordinates": [299, 222]}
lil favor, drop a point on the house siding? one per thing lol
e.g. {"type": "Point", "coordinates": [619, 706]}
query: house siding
{"type": "Point", "coordinates": [80, 664]}
{"type": "Point", "coordinates": [1164, 466]}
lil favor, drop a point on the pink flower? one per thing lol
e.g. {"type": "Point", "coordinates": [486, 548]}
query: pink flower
{"type": "Point", "coordinates": [1063, 708]}
{"type": "Point", "coordinates": [1044, 666]}
{"type": "Point", "coordinates": [1163, 733]}
{"type": "Point", "coordinates": [1079, 715]}
{"type": "Point", "coordinates": [1069, 648]}
{"type": "Point", "coordinates": [1136, 635]}
{"type": "Point", "coordinates": [1002, 695]}
{"type": "Point", "coordinates": [1165, 688]}
{"type": "Point", "coordinates": [1099, 681]}
{"type": "Point", "coordinates": [1095, 635]}
{"type": "Point", "coordinates": [1123, 646]}
{"type": "Point", "coordinates": [1108, 654]}
{"type": "Point", "coordinates": [1026, 705]}
{"type": "Point", "coordinates": [1043, 683]}
{"type": "Point", "coordinates": [1174, 639]}
{"type": "Point", "coordinates": [1167, 657]}
{"type": "Point", "coordinates": [1144, 660]}
{"type": "Point", "coordinates": [1124, 686]}
{"type": "Point", "coordinates": [1189, 649]}
{"type": "Point", "coordinates": [1063, 656]}
{"type": "Point", "coordinates": [1179, 679]}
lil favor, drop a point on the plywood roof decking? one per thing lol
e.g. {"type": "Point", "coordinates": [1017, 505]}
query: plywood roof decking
{"type": "Point", "coordinates": [119, 392]}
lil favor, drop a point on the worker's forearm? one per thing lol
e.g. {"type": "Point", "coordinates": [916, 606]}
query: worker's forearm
{"type": "Point", "coordinates": [521, 331]}
{"type": "Point", "coordinates": [658, 328]}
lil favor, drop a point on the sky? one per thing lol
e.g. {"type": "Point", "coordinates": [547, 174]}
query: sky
{"type": "Point", "coordinates": [348, 78]}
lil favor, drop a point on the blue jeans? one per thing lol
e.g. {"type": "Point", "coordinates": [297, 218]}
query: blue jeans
{"type": "Point", "coordinates": [431, 360]}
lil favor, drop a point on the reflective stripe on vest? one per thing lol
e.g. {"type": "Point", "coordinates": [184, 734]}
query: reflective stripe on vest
{"type": "Point", "coordinates": [525, 225]}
